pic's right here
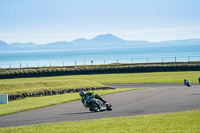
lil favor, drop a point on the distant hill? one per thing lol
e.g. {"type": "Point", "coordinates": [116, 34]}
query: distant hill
{"type": "Point", "coordinates": [60, 44]}
{"type": "Point", "coordinates": [100, 41]}
{"type": "Point", "coordinates": [81, 40]}
{"type": "Point", "coordinates": [107, 38]}
{"type": "Point", "coordinates": [5, 47]}
{"type": "Point", "coordinates": [3, 44]}
{"type": "Point", "coordinates": [21, 45]}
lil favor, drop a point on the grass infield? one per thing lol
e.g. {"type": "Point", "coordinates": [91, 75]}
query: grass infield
{"type": "Point", "coordinates": [182, 122]}
{"type": "Point", "coordinates": [151, 77]}
{"type": "Point", "coordinates": [20, 87]}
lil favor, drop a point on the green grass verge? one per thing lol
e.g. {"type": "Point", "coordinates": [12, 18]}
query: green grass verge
{"type": "Point", "coordinates": [151, 77]}
{"type": "Point", "coordinates": [20, 87]}
{"type": "Point", "coordinates": [38, 102]}
{"type": "Point", "coordinates": [172, 122]}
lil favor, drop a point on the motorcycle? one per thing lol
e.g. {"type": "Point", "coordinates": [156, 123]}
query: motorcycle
{"type": "Point", "coordinates": [187, 83]}
{"type": "Point", "coordinates": [93, 105]}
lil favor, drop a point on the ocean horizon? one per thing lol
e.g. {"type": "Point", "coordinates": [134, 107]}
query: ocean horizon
{"type": "Point", "coordinates": [72, 57]}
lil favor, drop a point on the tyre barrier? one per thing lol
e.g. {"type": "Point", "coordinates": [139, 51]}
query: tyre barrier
{"type": "Point", "coordinates": [54, 92]}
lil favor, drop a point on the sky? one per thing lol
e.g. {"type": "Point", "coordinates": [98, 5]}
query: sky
{"type": "Point", "coordinates": [45, 21]}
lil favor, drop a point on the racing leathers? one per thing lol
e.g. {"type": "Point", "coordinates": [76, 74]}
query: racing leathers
{"type": "Point", "coordinates": [91, 94]}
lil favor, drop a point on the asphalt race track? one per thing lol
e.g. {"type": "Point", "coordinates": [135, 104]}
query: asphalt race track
{"type": "Point", "coordinates": [161, 98]}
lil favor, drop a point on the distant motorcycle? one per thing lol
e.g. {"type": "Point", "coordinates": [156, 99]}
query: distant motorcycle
{"type": "Point", "coordinates": [187, 83]}
{"type": "Point", "coordinates": [93, 104]}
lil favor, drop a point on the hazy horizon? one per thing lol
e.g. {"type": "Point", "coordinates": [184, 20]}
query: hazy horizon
{"type": "Point", "coordinates": [93, 38]}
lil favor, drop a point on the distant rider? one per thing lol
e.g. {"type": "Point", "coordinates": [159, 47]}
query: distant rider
{"type": "Point", "coordinates": [84, 96]}
{"type": "Point", "coordinates": [187, 82]}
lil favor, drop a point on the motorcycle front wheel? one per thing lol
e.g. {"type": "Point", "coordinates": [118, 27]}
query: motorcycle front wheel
{"type": "Point", "coordinates": [109, 107]}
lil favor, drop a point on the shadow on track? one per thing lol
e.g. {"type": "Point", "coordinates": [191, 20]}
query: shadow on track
{"type": "Point", "coordinates": [76, 113]}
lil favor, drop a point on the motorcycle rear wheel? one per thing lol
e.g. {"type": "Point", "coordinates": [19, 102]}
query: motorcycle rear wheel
{"type": "Point", "coordinates": [93, 108]}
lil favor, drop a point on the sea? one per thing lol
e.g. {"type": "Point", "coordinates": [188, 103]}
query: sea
{"type": "Point", "coordinates": [96, 56]}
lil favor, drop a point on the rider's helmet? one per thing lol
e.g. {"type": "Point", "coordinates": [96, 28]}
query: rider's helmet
{"type": "Point", "coordinates": [81, 93]}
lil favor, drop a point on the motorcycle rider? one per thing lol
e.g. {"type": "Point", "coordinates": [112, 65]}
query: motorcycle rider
{"type": "Point", "coordinates": [187, 82]}
{"type": "Point", "coordinates": [84, 96]}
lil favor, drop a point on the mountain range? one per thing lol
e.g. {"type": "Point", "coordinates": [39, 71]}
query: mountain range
{"type": "Point", "coordinates": [101, 41]}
